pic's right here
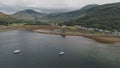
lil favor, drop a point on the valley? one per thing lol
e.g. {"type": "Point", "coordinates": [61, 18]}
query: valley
{"type": "Point", "coordinates": [59, 34]}
{"type": "Point", "coordinates": [99, 18]}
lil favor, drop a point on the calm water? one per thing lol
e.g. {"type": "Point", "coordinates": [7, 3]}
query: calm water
{"type": "Point", "coordinates": [41, 51]}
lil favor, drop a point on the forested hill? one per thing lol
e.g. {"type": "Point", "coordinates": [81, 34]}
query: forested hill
{"type": "Point", "coordinates": [104, 17]}
{"type": "Point", "coordinates": [28, 14]}
{"type": "Point", "coordinates": [94, 16]}
{"type": "Point", "coordinates": [68, 15]}
{"type": "Point", "coordinates": [5, 19]}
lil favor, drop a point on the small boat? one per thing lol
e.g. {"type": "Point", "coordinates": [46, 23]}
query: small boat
{"type": "Point", "coordinates": [61, 53]}
{"type": "Point", "coordinates": [17, 51]}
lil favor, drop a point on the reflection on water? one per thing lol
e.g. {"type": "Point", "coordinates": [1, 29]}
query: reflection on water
{"type": "Point", "coordinates": [41, 51]}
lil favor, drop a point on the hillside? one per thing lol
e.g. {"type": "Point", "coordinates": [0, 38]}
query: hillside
{"type": "Point", "coordinates": [5, 19]}
{"type": "Point", "coordinates": [27, 18]}
{"type": "Point", "coordinates": [69, 15]}
{"type": "Point", "coordinates": [27, 14]}
{"type": "Point", "coordinates": [103, 16]}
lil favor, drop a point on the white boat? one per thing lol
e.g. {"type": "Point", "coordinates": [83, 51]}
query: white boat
{"type": "Point", "coordinates": [61, 53]}
{"type": "Point", "coordinates": [17, 51]}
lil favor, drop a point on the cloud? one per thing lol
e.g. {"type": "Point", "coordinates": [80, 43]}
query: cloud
{"type": "Point", "coordinates": [11, 6]}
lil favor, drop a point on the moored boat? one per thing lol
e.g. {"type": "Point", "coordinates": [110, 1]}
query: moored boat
{"type": "Point", "coordinates": [61, 53]}
{"type": "Point", "coordinates": [17, 51]}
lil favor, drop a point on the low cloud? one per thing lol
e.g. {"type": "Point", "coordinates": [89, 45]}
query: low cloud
{"type": "Point", "coordinates": [11, 6]}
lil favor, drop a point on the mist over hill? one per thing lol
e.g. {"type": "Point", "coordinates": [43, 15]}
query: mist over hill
{"type": "Point", "coordinates": [30, 14]}
{"type": "Point", "coordinates": [6, 19]}
{"type": "Point", "coordinates": [105, 16]}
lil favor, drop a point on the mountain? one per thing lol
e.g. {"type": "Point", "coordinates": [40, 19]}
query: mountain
{"type": "Point", "coordinates": [69, 15]}
{"type": "Point", "coordinates": [5, 19]}
{"type": "Point", "coordinates": [4, 16]}
{"type": "Point", "coordinates": [33, 15]}
{"type": "Point", "coordinates": [103, 16]}
{"type": "Point", "coordinates": [27, 14]}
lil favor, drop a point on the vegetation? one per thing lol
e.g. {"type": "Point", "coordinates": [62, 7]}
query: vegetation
{"type": "Point", "coordinates": [5, 19]}
{"type": "Point", "coordinates": [106, 17]}
{"type": "Point", "coordinates": [8, 20]}
{"type": "Point", "coordinates": [28, 15]}
{"type": "Point", "coordinates": [32, 15]}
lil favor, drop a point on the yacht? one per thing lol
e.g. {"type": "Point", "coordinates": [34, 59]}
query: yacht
{"type": "Point", "coordinates": [16, 51]}
{"type": "Point", "coordinates": [61, 53]}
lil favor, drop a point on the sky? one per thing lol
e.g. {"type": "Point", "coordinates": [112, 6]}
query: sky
{"type": "Point", "coordinates": [48, 6]}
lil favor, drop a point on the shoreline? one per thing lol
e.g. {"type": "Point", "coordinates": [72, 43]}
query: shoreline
{"type": "Point", "coordinates": [101, 38]}
{"type": "Point", "coordinates": [105, 39]}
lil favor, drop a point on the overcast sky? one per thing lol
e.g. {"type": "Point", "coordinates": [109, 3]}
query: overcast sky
{"type": "Point", "coordinates": [11, 6]}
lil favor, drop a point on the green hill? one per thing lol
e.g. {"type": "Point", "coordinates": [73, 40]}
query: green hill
{"type": "Point", "coordinates": [103, 17]}
{"type": "Point", "coordinates": [28, 15]}
{"type": "Point", "coordinates": [5, 19]}
{"type": "Point", "coordinates": [68, 15]}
